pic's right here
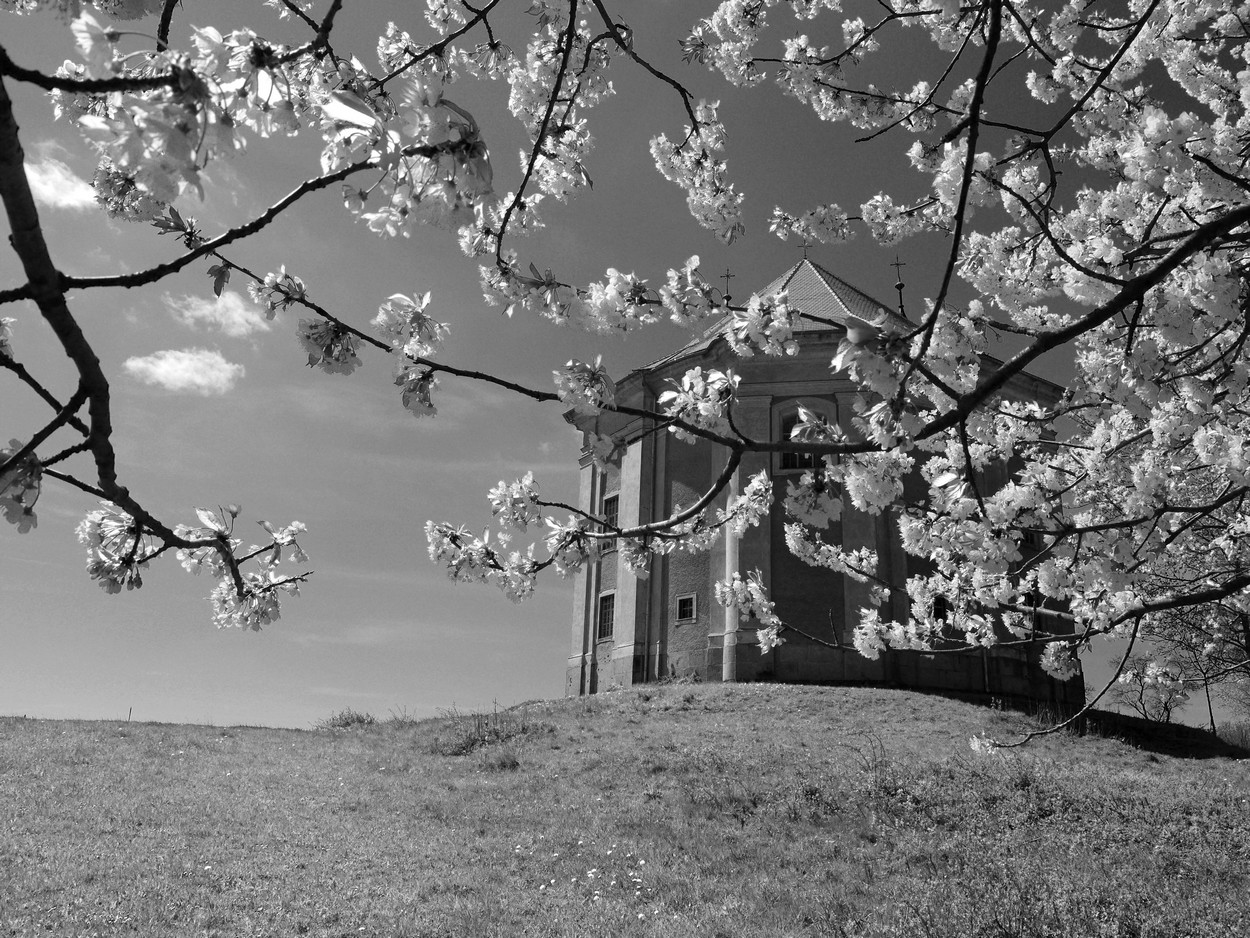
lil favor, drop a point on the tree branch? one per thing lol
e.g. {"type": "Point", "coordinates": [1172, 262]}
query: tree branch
{"type": "Point", "coordinates": [62, 418]}
{"type": "Point", "coordinates": [166, 20]}
{"type": "Point", "coordinates": [45, 395]}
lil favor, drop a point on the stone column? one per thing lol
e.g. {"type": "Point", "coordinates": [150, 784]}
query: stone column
{"type": "Point", "coordinates": [581, 651]}
{"type": "Point", "coordinates": [657, 595]}
{"type": "Point", "coordinates": [729, 648]}
{"type": "Point", "coordinates": [632, 594]}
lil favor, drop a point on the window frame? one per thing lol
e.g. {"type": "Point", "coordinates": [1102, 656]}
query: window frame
{"type": "Point", "coordinates": [801, 462]}
{"type": "Point", "coordinates": [694, 607]}
{"type": "Point", "coordinates": [608, 545]}
{"type": "Point", "coordinates": [608, 597]}
{"type": "Point", "coordinates": [785, 414]}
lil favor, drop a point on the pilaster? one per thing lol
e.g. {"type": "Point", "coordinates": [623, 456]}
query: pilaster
{"type": "Point", "coordinates": [632, 618]}
{"type": "Point", "coordinates": [581, 651]}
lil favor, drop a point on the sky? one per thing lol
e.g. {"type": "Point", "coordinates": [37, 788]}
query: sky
{"type": "Point", "coordinates": [214, 405]}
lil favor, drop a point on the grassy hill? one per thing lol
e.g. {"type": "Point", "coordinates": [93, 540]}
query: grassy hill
{"type": "Point", "coordinates": [718, 811]}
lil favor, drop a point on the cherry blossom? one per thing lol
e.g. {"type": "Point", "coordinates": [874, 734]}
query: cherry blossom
{"type": "Point", "coordinates": [516, 503]}
{"type": "Point", "coordinates": [748, 597]}
{"type": "Point", "coordinates": [330, 347]}
{"type": "Point", "coordinates": [702, 398]}
{"type": "Point", "coordinates": [585, 388]}
{"type": "Point", "coordinates": [277, 291]}
{"type": "Point", "coordinates": [117, 548]}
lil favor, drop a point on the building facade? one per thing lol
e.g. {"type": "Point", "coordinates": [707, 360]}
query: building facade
{"type": "Point", "coordinates": [630, 630]}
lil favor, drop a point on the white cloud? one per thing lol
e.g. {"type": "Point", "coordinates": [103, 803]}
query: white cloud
{"type": "Point", "coordinates": [196, 370]}
{"type": "Point", "coordinates": [230, 313]}
{"type": "Point", "coordinates": [55, 185]}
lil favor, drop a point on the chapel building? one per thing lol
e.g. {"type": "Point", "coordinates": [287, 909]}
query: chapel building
{"type": "Point", "coordinates": [629, 630]}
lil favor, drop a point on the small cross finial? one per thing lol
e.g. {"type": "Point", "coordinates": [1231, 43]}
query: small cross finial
{"type": "Point", "coordinates": [727, 276]}
{"type": "Point", "coordinates": [805, 245]}
{"type": "Point", "coordinates": [898, 283]}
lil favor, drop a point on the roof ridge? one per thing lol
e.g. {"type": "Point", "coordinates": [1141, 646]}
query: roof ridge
{"type": "Point", "coordinates": [827, 275]}
{"type": "Point", "coordinates": [829, 283]}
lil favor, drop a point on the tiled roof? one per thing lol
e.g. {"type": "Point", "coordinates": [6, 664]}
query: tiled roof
{"type": "Point", "coordinates": [813, 290]}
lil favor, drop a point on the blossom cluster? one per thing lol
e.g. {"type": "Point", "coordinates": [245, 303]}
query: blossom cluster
{"type": "Point", "coordinates": [416, 385]}
{"type": "Point", "coordinates": [688, 297]}
{"type": "Point", "coordinates": [619, 303]}
{"type": "Point", "coordinates": [515, 504]}
{"type": "Point", "coordinates": [160, 140]}
{"type": "Point", "coordinates": [859, 564]}
{"type": "Point", "coordinates": [749, 598]}
{"type": "Point", "coordinates": [586, 388]}
{"type": "Point", "coordinates": [767, 324]}
{"type": "Point", "coordinates": [436, 166]}
{"type": "Point", "coordinates": [476, 560]}
{"type": "Point", "coordinates": [701, 399]}
{"type": "Point", "coordinates": [117, 548]}
{"type": "Point", "coordinates": [693, 166]}
{"type": "Point", "coordinates": [560, 163]}
{"type": "Point", "coordinates": [404, 323]}
{"type": "Point", "coordinates": [259, 605]}
{"type": "Point", "coordinates": [1059, 661]}
{"type": "Point", "coordinates": [750, 507]}
{"type": "Point", "coordinates": [813, 498]}
{"type": "Point", "coordinates": [252, 599]}
{"type": "Point", "coordinates": [277, 291]}
{"type": "Point", "coordinates": [824, 224]}
{"type": "Point", "coordinates": [214, 528]}
{"type": "Point", "coordinates": [330, 346]}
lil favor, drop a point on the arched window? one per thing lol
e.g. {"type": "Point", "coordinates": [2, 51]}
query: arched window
{"type": "Point", "coordinates": [785, 417]}
{"type": "Point", "coordinates": [793, 460]}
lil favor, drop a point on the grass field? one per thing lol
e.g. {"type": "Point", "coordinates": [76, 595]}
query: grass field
{"type": "Point", "coordinates": [718, 811]}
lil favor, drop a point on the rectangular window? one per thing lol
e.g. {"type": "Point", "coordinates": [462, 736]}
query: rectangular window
{"type": "Point", "coordinates": [611, 518]}
{"type": "Point", "coordinates": [607, 609]}
{"type": "Point", "coordinates": [687, 608]}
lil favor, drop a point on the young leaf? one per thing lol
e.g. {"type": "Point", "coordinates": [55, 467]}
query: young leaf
{"type": "Point", "coordinates": [221, 276]}
{"type": "Point", "coordinates": [209, 520]}
{"type": "Point", "coordinates": [344, 107]}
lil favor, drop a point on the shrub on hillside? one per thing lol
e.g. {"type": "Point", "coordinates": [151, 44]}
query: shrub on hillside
{"type": "Point", "coordinates": [346, 719]}
{"type": "Point", "coordinates": [463, 733]}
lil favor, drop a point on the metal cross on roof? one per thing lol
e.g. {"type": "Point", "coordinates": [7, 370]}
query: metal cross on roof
{"type": "Point", "coordinates": [805, 245]}
{"type": "Point", "coordinates": [898, 283]}
{"type": "Point", "coordinates": [727, 276]}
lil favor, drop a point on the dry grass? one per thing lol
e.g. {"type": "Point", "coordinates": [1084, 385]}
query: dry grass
{"type": "Point", "coordinates": [666, 811]}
